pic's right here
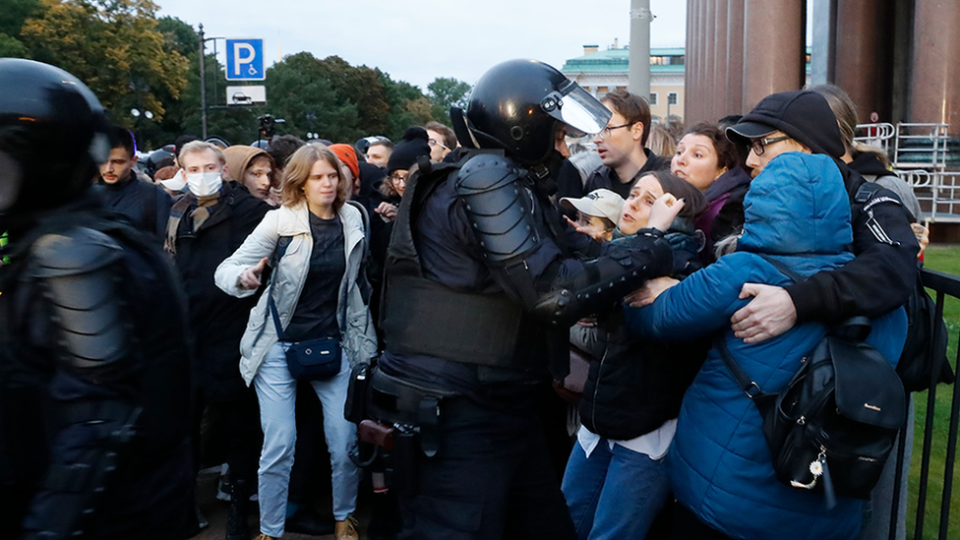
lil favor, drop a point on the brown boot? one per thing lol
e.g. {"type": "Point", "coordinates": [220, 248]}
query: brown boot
{"type": "Point", "coordinates": [347, 529]}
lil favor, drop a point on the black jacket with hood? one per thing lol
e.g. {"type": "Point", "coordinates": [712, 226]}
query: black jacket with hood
{"type": "Point", "coordinates": [217, 319]}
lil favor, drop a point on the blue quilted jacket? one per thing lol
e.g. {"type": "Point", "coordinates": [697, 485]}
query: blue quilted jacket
{"type": "Point", "coordinates": [797, 212]}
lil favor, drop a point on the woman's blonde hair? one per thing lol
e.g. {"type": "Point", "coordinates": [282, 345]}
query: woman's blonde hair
{"type": "Point", "coordinates": [297, 172]}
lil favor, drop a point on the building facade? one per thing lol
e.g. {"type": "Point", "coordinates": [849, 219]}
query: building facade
{"type": "Point", "coordinates": [600, 72]}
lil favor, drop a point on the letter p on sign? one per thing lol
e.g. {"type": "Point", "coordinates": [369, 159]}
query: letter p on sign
{"type": "Point", "coordinates": [245, 60]}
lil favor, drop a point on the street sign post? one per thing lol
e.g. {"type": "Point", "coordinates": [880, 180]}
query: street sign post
{"type": "Point", "coordinates": [245, 60]}
{"type": "Point", "coordinates": [246, 95]}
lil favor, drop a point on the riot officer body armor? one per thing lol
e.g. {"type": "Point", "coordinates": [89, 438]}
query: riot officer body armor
{"type": "Point", "coordinates": [95, 378]}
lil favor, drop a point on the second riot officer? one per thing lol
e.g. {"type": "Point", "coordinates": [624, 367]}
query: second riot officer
{"type": "Point", "coordinates": [482, 284]}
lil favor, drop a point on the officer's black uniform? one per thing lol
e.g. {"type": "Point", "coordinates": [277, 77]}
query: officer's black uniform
{"type": "Point", "coordinates": [94, 361]}
{"type": "Point", "coordinates": [481, 288]}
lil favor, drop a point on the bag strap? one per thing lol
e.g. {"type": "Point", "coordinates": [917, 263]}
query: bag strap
{"type": "Point", "coordinates": [282, 244]}
{"type": "Point", "coordinates": [749, 387]}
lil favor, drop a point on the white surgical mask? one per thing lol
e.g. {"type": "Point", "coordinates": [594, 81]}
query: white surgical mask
{"type": "Point", "coordinates": [204, 184]}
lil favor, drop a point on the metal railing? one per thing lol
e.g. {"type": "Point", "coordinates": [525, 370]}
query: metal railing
{"type": "Point", "coordinates": [938, 193]}
{"type": "Point", "coordinates": [920, 146]}
{"type": "Point", "coordinates": [943, 285]}
{"type": "Point", "coordinates": [877, 135]}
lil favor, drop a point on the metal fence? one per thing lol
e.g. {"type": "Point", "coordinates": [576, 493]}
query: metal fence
{"type": "Point", "coordinates": [944, 285]}
{"type": "Point", "coordinates": [937, 191]}
{"type": "Point", "coordinates": [927, 158]}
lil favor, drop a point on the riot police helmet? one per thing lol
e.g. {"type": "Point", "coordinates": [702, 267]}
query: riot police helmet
{"type": "Point", "coordinates": [53, 136]}
{"type": "Point", "coordinates": [516, 105]}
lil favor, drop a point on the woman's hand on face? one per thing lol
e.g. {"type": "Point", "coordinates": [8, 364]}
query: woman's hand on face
{"type": "Point", "coordinates": [644, 296]}
{"type": "Point", "coordinates": [663, 212]}
{"type": "Point", "coordinates": [250, 278]}
{"type": "Point", "coordinates": [387, 211]}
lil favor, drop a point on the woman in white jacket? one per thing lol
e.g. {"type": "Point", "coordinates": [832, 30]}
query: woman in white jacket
{"type": "Point", "coordinates": [319, 292]}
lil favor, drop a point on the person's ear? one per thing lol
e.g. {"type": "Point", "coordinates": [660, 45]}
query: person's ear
{"type": "Point", "coordinates": [224, 171]}
{"type": "Point", "coordinates": [133, 160]}
{"type": "Point", "coordinates": [637, 130]}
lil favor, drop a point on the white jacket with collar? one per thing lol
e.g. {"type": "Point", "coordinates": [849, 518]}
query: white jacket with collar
{"type": "Point", "coordinates": [358, 338]}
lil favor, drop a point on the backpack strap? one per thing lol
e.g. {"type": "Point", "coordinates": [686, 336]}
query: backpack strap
{"type": "Point", "coordinates": [366, 230]}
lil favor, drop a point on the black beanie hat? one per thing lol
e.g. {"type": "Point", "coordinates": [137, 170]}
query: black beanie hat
{"type": "Point", "coordinates": [406, 152]}
{"type": "Point", "coordinates": [802, 114]}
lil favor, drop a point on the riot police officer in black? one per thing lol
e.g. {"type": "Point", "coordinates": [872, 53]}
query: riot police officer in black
{"type": "Point", "coordinates": [482, 284]}
{"type": "Point", "coordinates": [94, 360]}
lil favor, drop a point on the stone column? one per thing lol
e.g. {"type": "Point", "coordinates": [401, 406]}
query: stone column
{"type": "Point", "coordinates": [773, 55]}
{"type": "Point", "coordinates": [709, 87]}
{"type": "Point", "coordinates": [935, 74]}
{"type": "Point", "coordinates": [734, 62]}
{"type": "Point", "coordinates": [690, 80]}
{"type": "Point", "coordinates": [719, 55]}
{"type": "Point", "coordinates": [863, 58]}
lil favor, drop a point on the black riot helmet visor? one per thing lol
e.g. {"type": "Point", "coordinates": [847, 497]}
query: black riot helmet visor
{"type": "Point", "coordinates": [516, 105]}
{"type": "Point", "coordinates": [576, 108]}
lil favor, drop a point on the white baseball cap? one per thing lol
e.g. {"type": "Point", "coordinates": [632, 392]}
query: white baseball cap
{"type": "Point", "coordinates": [598, 203]}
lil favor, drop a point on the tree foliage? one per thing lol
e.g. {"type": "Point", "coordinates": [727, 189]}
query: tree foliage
{"type": "Point", "coordinates": [132, 60]}
{"type": "Point", "coordinates": [115, 48]}
{"type": "Point", "coordinates": [446, 92]}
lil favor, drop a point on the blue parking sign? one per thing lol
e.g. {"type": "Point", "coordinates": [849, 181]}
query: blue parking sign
{"type": "Point", "coordinates": [245, 60]}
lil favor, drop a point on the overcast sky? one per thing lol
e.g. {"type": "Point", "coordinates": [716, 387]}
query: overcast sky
{"type": "Point", "coordinates": [419, 40]}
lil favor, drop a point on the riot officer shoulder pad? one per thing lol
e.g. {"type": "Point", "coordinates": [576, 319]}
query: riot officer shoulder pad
{"type": "Point", "coordinates": [77, 273]}
{"type": "Point", "coordinates": [498, 207]}
{"type": "Point", "coordinates": [77, 251]}
{"type": "Point", "coordinates": [485, 172]}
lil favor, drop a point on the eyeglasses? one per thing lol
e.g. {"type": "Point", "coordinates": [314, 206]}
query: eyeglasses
{"type": "Point", "coordinates": [605, 132]}
{"type": "Point", "coordinates": [434, 142]}
{"type": "Point", "coordinates": [759, 145]}
{"type": "Point", "coordinates": [397, 178]}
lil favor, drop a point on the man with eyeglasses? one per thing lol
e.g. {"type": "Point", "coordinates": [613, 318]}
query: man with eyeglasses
{"type": "Point", "coordinates": [441, 140]}
{"type": "Point", "coordinates": [621, 145]}
{"type": "Point", "coordinates": [883, 274]}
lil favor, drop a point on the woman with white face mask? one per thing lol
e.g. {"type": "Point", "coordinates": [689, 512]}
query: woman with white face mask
{"type": "Point", "coordinates": [317, 293]}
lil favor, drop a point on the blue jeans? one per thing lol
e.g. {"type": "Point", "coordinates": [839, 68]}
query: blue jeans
{"type": "Point", "coordinates": [614, 494]}
{"type": "Point", "coordinates": [277, 393]}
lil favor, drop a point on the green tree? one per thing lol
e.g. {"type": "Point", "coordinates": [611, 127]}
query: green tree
{"type": "Point", "coordinates": [11, 47]}
{"type": "Point", "coordinates": [12, 17]}
{"type": "Point", "coordinates": [446, 92]}
{"type": "Point", "coordinates": [408, 106]}
{"type": "Point", "coordinates": [362, 87]}
{"type": "Point", "coordinates": [300, 90]}
{"type": "Point", "coordinates": [115, 48]}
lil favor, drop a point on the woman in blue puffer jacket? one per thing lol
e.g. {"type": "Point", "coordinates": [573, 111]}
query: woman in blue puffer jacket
{"type": "Point", "coordinates": [797, 212]}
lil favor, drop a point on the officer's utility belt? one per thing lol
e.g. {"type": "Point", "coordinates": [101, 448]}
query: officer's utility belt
{"type": "Point", "coordinates": [423, 317]}
{"type": "Point", "coordinates": [395, 402]}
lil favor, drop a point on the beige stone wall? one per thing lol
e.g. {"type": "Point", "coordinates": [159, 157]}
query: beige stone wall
{"type": "Point", "coordinates": [663, 91]}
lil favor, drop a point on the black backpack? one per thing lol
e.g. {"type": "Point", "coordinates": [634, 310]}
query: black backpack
{"type": "Point", "coordinates": [837, 419]}
{"type": "Point", "coordinates": [926, 343]}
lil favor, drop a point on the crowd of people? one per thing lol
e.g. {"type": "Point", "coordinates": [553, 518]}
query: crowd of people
{"type": "Point", "coordinates": [448, 283]}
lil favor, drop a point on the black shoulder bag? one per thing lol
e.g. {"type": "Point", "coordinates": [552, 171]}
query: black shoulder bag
{"type": "Point", "coordinates": [312, 360]}
{"type": "Point", "coordinates": [838, 417]}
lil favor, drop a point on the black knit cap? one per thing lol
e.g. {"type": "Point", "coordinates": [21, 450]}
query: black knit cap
{"type": "Point", "coordinates": [803, 115]}
{"type": "Point", "coordinates": [406, 152]}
